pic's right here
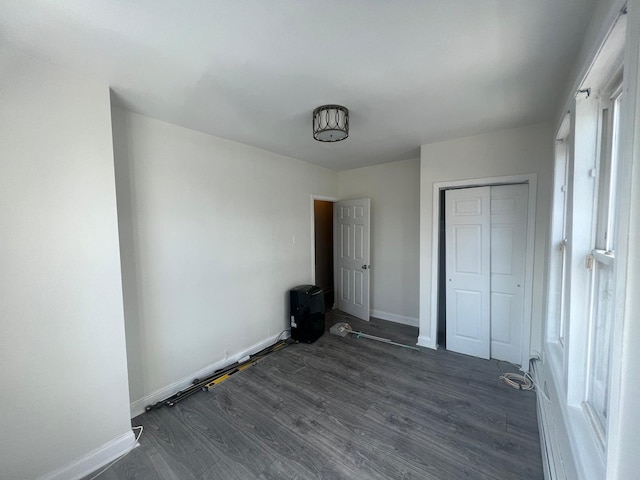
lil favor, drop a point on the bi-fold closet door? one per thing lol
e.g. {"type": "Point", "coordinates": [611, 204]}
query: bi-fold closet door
{"type": "Point", "coordinates": [486, 236]}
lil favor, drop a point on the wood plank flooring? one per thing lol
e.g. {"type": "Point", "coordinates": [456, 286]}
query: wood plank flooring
{"type": "Point", "coordinates": [346, 408]}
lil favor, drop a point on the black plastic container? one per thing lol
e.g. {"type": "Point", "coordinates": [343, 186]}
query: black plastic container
{"type": "Point", "coordinates": [307, 313]}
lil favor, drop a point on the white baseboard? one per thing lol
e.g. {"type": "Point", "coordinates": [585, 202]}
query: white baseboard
{"type": "Point", "coordinates": [550, 454]}
{"type": "Point", "coordinates": [564, 444]}
{"type": "Point", "coordinates": [138, 406]}
{"type": "Point", "coordinates": [95, 459]}
{"type": "Point", "coordinates": [392, 317]}
{"type": "Point", "coordinates": [424, 341]}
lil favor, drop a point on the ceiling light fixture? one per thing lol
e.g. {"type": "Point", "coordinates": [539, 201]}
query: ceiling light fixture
{"type": "Point", "coordinates": [330, 123]}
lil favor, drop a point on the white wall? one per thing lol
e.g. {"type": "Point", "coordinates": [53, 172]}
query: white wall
{"type": "Point", "coordinates": [604, 14]}
{"type": "Point", "coordinates": [394, 189]}
{"type": "Point", "coordinates": [213, 235]}
{"type": "Point", "coordinates": [517, 151]}
{"type": "Point", "coordinates": [62, 348]}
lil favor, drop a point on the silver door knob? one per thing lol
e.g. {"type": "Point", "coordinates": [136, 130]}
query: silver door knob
{"type": "Point", "coordinates": [364, 267]}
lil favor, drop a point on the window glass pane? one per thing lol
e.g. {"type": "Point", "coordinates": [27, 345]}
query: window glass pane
{"type": "Point", "coordinates": [565, 259]}
{"type": "Point", "coordinates": [615, 151]}
{"type": "Point", "coordinates": [601, 340]}
{"type": "Point", "coordinates": [609, 145]}
{"type": "Point", "coordinates": [557, 300]}
{"type": "Point", "coordinates": [604, 179]}
{"type": "Point", "coordinates": [563, 293]}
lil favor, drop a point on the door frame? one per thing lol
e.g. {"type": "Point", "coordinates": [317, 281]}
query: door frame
{"type": "Point", "coordinates": [532, 180]}
{"type": "Point", "coordinates": [313, 197]}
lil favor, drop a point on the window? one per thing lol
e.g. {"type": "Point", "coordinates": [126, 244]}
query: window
{"type": "Point", "coordinates": [557, 309]}
{"type": "Point", "coordinates": [562, 313]}
{"type": "Point", "coordinates": [602, 263]}
{"type": "Point", "coordinates": [584, 273]}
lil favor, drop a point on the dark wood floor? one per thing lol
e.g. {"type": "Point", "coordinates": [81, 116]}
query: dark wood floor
{"type": "Point", "coordinates": [346, 408]}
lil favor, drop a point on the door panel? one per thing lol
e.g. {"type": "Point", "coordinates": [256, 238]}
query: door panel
{"type": "Point", "coordinates": [467, 217]}
{"type": "Point", "coordinates": [358, 250]}
{"type": "Point", "coordinates": [501, 310]}
{"type": "Point", "coordinates": [486, 241]}
{"type": "Point", "coordinates": [509, 205]}
{"type": "Point", "coordinates": [358, 286]}
{"type": "Point", "coordinates": [344, 286]}
{"type": "Point", "coordinates": [467, 247]}
{"type": "Point", "coordinates": [345, 244]}
{"type": "Point", "coordinates": [502, 238]}
{"type": "Point", "coordinates": [352, 219]}
{"type": "Point", "coordinates": [467, 308]}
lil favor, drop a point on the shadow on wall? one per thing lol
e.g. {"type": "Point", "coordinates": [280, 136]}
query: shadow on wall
{"type": "Point", "coordinates": [125, 198]}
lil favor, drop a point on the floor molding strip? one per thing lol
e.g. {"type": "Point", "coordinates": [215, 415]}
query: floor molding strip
{"type": "Point", "coordinates": [95, 459]}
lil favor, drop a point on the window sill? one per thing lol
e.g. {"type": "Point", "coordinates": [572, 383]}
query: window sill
{"type": "Point", "coordinates": [586, 447]}
{"type": "Point", "coordinates": [588, 455]}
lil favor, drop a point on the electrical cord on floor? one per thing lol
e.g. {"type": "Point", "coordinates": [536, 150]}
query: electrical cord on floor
{"type": "Point", "coordinates": [284, 331]}
{"type": "Point", "coordinates": [519, 382]}
{"type": "Point", "coordinates": [537, 358]}
{"type": "Point", "coordinates": [523, 382]}
{"type": "Point", "coordinates": [113, 462]}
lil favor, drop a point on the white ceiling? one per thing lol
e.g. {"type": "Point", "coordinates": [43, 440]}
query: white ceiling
{"type": "Point", "coordinates": [410, 72]}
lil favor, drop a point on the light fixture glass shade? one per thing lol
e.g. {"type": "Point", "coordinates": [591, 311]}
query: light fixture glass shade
{"type": "Point", "coordinates": [330, 123]}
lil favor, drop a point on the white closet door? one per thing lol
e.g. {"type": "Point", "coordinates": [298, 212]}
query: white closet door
{"type": "Point", "coordinates": [467, 216]}
{"type": "Point", "coordinates": [508, 249]}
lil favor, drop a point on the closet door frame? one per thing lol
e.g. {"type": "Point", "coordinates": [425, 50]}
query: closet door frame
{"type": "Point", "coordinates": [532, 181]}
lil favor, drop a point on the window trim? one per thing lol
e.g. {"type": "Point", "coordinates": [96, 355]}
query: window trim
{"type": "Point", "coordinates": [558, 242]}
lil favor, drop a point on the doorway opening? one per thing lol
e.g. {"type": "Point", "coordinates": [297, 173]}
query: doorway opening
{"type": "Point", "coordinates": [323, 249]}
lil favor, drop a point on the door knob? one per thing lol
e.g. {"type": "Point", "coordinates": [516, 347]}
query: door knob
{"type": "Point", "coordinates": [364, 267]}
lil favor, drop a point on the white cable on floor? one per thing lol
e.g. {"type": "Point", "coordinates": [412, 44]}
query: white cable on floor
{"type": "Point", "coordinates": [113, 462]}
{"type": "Point", "coordinates": [523, 382]}
{"type": "Point", "coordinates": [284, 331]}
{"type": "Point", "coordinates": [519, 382]}
{"type": "Point", "coordinates": [538, 389]}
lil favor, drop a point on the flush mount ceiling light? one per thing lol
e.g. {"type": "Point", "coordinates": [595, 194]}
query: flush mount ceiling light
{"type": "Point", "coordinates": [330, 123]}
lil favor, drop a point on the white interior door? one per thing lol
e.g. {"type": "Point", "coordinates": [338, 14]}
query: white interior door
{"type": "Point", "coordinates": [352, 262]}
{"type": "Point", "coordinates": [508, 248]}
{"type": "Point", "coordinates": [467, 216]}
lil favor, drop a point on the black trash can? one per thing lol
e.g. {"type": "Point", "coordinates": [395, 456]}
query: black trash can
{"type": "Point", "coordinates": [307, 313]}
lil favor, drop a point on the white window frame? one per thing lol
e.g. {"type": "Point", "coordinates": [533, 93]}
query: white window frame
{"type": "Point", "coordinates": [570, 444]}
{"type": "Point", "coordinates": [570, 361]}
{"type": "Point", "coordinates": [602, 258]}
{"type": "Point", "coordinates": [556, 306]}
